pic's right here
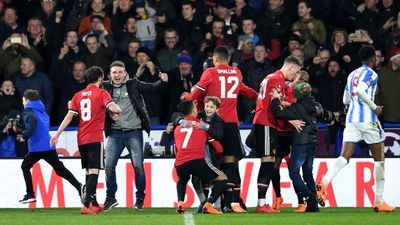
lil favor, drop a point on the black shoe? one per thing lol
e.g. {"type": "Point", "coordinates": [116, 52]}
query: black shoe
{"type": "Point", "coordinates": [82, 193]}
{"type": "Point", "coordinates": [227, 209]}
{"type": "Point", "coordinates": [110, 203]}
{"type": "Point", "coordinates": [199, 208]}
{"type": "Point", "coordinates": [139, 205]}
{"type": "Point", "coordinates": [28, 199]}
{"type": "Point", "coordinates": [312, 204]}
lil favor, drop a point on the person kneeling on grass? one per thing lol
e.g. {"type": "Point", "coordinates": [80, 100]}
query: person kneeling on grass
{"type": "Point", "coordinates": [36, 131]}
{"type": "Point", "coordinates": [190, 159]}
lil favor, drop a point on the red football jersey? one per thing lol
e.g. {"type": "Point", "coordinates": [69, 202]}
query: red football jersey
{"type": "Point", "coordinates": [264, 114]}
{"type": "Point", "coordinates": [189, 143]}
{"type": "Point", "coordinates": [284, 125]}
{"type": "Point", "coordinates": [224, 82]}
{"type": "Point", "coordinates": [90, 105]}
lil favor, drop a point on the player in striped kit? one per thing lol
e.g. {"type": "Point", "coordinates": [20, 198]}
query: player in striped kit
{"type": "Point", "coordinates": [361, 124]}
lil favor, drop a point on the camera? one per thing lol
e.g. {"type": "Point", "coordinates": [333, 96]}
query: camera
{"type": "Point", "coordinates": [16, 40]}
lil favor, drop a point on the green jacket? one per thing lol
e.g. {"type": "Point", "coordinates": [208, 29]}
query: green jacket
{"type": "Point", "coordinates": [312, 38]}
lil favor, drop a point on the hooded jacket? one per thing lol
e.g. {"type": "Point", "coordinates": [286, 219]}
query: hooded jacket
{"type": "Point", "coordinates": [303, 109]}
{"type": "Point", "coordinates": [37, 126]}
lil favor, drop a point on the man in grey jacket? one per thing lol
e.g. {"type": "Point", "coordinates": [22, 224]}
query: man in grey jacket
{"type": "Point", "coordinates": [127, 132]}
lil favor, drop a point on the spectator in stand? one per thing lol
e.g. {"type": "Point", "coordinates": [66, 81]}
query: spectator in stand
{"type": "Point", "coordinates": [97, 7]}
{"type": "Point", "coordinates": [9, 24]}
{"type": "Point", "coordinates": [37, 38]}
{"type": "Point", "coordinates": [78, 11]}
{"type": "Point", "coordinates": [122, 9]}
{"type": "Point", "coordinates": [98, 54]}
{"type": "Point", "coordinates": [298, 54]}
{"type": "Point", "coordinates": [70, 84]}
{"type": "Point", "coordinates": [331, 87]}
{"type": "Point", "coordinates": [341, 49]}
{"type": "Point", "coordinates": [223, 11]}
{"type": "Point", "coordinates": [167, 56]}
{"type": "Point", "coordinates": [30, 78]}
{"type": "Point", "coordinates": [367, 18]}
{"type": "Point", "coordinates": [247, 40]}
{"type": "Point", "coordinates": [356, 40]}
{"type": "Point", "coordinates": [182, 80]}
{"type": "Point", "coordinates": [243, 10]}
{"type": "Point", "coordinates": [189, 28]}
{"type": "Point", "coordinates": [216, 37]}
{"type": "Point", "coordinates": [47, 11]}
{"type": "Point", "coordinates": [254, 71]}
{"type": "Point", "coordinates": [70, 52]}
{"type": "Point", "coordinates": [311, 29]}
{"type": "Point", "coordinates": [130, 59]}
{"type": "Point", "coordinates": [148, 72]}
{"type": "Point", "coordinates": [390, 31]}
{"type": "Point", "coordinates": [274, 22]}
{"type": "Point", "coordinates": [163, 8]}
{"type": "Point", "coordinates": [380, 60]}
{"type": "Point", "coordinates": [389, 93]}
{"type": "Point", "coordinates": [293, 42]}
{"type": "Point", "coordinates": [124, 36]}
{"type": "Point", "coordinates": [97, 27]}
{"type": "Point", "coordinates": [10, 54]}
{"type": "Point", "coordinates": [146, 31]}
{"type": "Point", "coordinates": [317, 69]}
{"type": "Point", "coordinates": [8, 98]}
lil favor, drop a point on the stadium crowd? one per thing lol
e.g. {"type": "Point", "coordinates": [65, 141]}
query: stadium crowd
{"type": "Point", "coordinates": [48, 44]}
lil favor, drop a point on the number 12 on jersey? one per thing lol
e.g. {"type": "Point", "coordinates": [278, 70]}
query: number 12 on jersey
{"type": "Point", "coordinates": [228, 80]}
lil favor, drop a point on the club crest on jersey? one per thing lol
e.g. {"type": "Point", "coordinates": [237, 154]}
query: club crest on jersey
{"type": "Point", "coordinates": [369, 82]}
{"type": "Point", "coordinates": [279, 87]}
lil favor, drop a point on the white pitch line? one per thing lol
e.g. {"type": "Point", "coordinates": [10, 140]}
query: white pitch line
{"type": "Point", "coordinates": [189, 220]}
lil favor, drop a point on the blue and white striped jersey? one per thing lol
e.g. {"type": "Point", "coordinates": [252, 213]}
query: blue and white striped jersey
{"type": "Point", "coordinates": [359, 111]}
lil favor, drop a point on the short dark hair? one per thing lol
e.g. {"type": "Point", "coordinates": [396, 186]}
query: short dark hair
{"type": "Point", "coordinates": [30, 57]}
{"type": "Point", "coordinates": [221, 53]}
{"type": "Point", "coordinates": [31, 94]}
{"type": "Point", "coordinates": [117, 63]}
{"type": "Point", "coordinates": [292, 60]}
{"type": "Point", "coordinates": [366, 53]}
{"type": "Point", "coordinates": [186, 107]}
{"type": "Point", "coordinates": [188, 2]}
{"type": "Point", "coordinates": [90, 36]}
{"type": "Point", "coordinates": [93, 74]}
{"type": "Point", "coordinates": [214, 100]}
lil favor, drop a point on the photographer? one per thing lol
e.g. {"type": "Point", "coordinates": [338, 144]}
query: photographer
{"type": "Point", "coordinates": [10, 126]}
{"type": "Point", "coordinates": [11, 53]}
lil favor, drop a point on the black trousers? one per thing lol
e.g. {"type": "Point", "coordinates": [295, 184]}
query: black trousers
{"type": "Point", "coordinates": [51, 158]}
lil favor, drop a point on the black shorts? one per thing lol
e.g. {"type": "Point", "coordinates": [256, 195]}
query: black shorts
{"type": "Point", "coordinates": [204, 169]}
{"type": "Point", "coordinates": [231, 143]}
{"type": "Point", "coordinates": [285, 140]}
{"type": "Point", "coordinates": [266, 140]}
{"type": "Point", "coordinates": [92, 155]}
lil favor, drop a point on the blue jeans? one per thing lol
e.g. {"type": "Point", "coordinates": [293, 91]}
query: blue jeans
{"type": "Point", "coordinates": [302, 156]}
{"type": "Point", "coordinates": [117, 141]}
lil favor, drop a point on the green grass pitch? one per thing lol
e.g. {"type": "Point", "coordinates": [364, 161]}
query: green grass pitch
{"type": "Point", "coordinates": [165, 216]}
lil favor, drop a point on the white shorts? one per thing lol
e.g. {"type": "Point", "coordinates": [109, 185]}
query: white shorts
{"type": "Point", "coordinates": [371, 133]}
